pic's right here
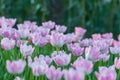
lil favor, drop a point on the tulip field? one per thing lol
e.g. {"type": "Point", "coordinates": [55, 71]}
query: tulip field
{"type": "Point", "coordinates": [47, 52]}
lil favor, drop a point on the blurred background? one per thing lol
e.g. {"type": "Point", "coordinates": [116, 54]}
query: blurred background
{"type": "Point", "coordinates": [97, 16]}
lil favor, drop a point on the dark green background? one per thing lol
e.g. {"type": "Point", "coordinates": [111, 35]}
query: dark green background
{"type": "Point", "coordinates": [97, 16]}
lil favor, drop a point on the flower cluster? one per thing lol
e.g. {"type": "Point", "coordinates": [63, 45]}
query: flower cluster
{"type": "Point", "coordinates": [32, 52]}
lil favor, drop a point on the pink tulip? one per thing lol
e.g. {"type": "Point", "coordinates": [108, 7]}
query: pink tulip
{"type": "Point", "coordinates": [21, 42]}
{"type": "Point", "coordinates": [76, 49]}
{"type": "Point", "coordinates": [54, 74]}
{"type": "Point", "coordinates": [103, 44]}
{"type": "Point", "coordinates": [105, 57]}
{"type": "Point", "coordinates": [115, 50]}
{"type": "Point", "coordinates": [119, 37]}
{"type": "Point", "coordinates": [3, 22]}
{"type": "Point", "coordinates": [92, 53]}
{"type": "Point", "coordinates": [96, 36]}
{"type": "Point", "coordinates": [117, 63]}
{"type": "Point", "coordinates": [57, 39]}
{"type": "Point", "coordinates": [15, 34]}
{"type": "Point", "coordinates": [73, 74]}
{"type": "Point", "coordinates": [26, 50]}
{"type": "Point", "coordinates": [7, 22]}
{"type": "Point", "coordinates": [69, 38]}
{"type": "Point", "coordinates": [107, 36]}
{"type": "Point", "coordinates": [79, 31]}
{"type": "Point", "coordinates": [47, 59]}
{"type": "Point", "coordinates": [39, 40]}
{"type": "Point", "coordinates": [61, 58]}
{"type": "Point", "coordinates": [7, 44]}
{"type": "Point", "coordinates": [6, 31]}
{"type": "Point", "coordinates": [38, 66]}
{"type": "Point", "coordinates": [115, 42]}
{"type": "Point", "coordinates": [43, 31]}
{"type": "Point", "coordinates": [15, 67]}
{"type": "Point", "coordinates": [84, 64]}
{"type": "Point", "coordinates": [32, 26]}
{"type": "Point", "coordinates": [27, 25]}
{"type": "Point", "coordinates": [106, 73]}
{"type": "Point", "coordinates": [60, 28]}
{"type": "Point", "coordinates": [24, 33]}
{"type": "Point", "coordinates": [86, 42]}
{"type": "Point", "coordinates": [24, 29]}
{"type": "Point", "coordinates": [48, 24]}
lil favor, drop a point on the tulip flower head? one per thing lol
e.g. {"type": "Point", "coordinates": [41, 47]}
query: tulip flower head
{"type": "Point", "coordinates": [106, 73]}
{"type": "Point", "coordinates": [54, 74]}
{"type": "Point", "coordinates": [15, 67]}
{"type": "Point", "coordinates": [61, 58]}
{"type": "Point", "coordinates": [7, 44]}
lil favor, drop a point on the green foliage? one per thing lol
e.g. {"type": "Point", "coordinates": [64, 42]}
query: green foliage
{"type": "Point", "coordinates": [97, 16]}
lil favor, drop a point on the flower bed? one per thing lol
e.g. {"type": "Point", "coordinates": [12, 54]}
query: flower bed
{"type": "Point", "coordinates": [47, 52]}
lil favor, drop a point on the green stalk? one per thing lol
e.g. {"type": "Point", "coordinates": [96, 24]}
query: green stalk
{"type": "Point", "coordinates": [101, 63]}
{"type": "Point", "coordinates": [35, 78]}
{"type": "Point", "coordinates": [89, 77]}
{"type": "Point", "coordinates": [57, 49]}
{"type": "Point", "coordinates": [118, 76]}
{"type": "Point", "coordinates": [42, 77]}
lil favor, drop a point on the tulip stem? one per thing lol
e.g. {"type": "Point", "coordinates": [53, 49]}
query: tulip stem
{"type": "Point", "coordinates": [118, 75]}
{"type": "Point", "coordinates": [89, 77]}
{"type": "Point", "coordinates": [42, 77]}
{"type": "Point", "coordinates": [101, 63]}
{"type": "Point", "coordinates": [35, 77]}
{"type": "Point", "coordinates": [57, 49]}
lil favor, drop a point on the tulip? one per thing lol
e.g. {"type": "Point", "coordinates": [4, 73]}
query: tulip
{"type": "Point", "coordinates": [32, 26]}
{"type": "Point", "coordinates": [7, 22]}
{"type": "Point", "coordinates": [103, 44]}
{"type": "Point", "coordinates": [107, 36]}
{"type": "Point", "coordinates": [96, 36]}
{"type": "Point", "coordinates": [61, 58]}
{"type": "Point", "coordinates": [79, 31]}
{"type": "Point", "coordinates": [43, 31]}
{"type": "Point", "coordinates": [106, 73]}
{"type": "Point", "coordinates": [57, 39]}
{"type": "Point", "coordinates": [24, 30]}
{"type": "Point", "coordinates": [92, 53]}
{"type": "Point", "coordinates": [60, 29]}
{"type": "Point", "coordinates": [73, 74]}
{"type": "Point", "coordinates": [24, 33]}
{"type": "Point", "coordinates": [117, 63]}
{"type": "Point", "coordinates": [105, 57]}
{"type": "Point", "coordinates": [39, 40]}
{"type": "Point", "coordinates": [69, 38]}
{"type": "Point", "coordinates": [115, 50]}
{"type": "Point", "coordinates": [86, 42]}
{"type": "Point", "coordinates": [49, 24]}
{"type": "Point", "coordinates": [119, 37]}
{"type": "Point", "coordinates": [54, 74]}
{"type": "Point", "coordinates": [47, 59]}
{"type": "Point", "coordinates": [84, 64]}
{"type": "Point", "coordinates": [7, 44]}
{"type": "Point", "coordinates": [15, 35]}
{"type": "Point", "coordinates": [38, 66]}
{"type": "Point", "coordinates": [76, 49]}
{"type": "Point", "coordinates": [21, 42]}
{"type": "Point", "coordinates": [15, 67]}
{"type": "Point", "coordinates": [6, 32]}
{"type": "Point", "coordinates": [26, 50]}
